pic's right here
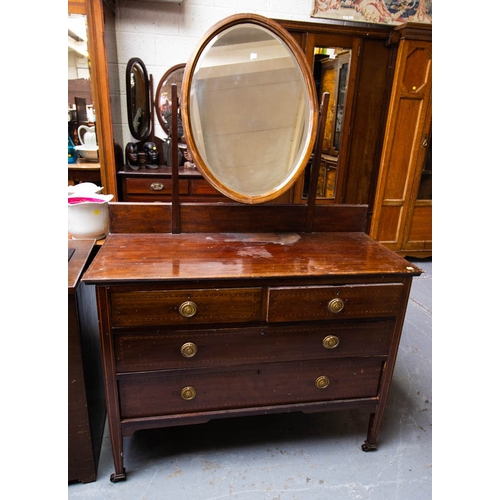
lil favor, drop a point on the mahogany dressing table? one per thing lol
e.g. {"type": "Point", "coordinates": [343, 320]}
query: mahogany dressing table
{"type": "Point", "coordinates": [219, 310]}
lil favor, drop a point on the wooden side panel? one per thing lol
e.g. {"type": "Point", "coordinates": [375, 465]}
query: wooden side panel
{"type": "Point", "coordinates": [421, 224]}
{"type": "Point", "coordinates": [399, 157]}
{"type": "Point", "coordinates": [140, 217]}
{"type": "Point", "coordinates": [81, 466]}
{"type": "Point", "coordinates": [389, 224]}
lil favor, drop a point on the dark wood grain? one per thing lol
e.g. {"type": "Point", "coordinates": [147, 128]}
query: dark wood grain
{"type": "Point", "coordinates": [194, 256]}
{"type": "Point", "coordinates": [161, 349]}
{"type": "Point", "coordinates": [231, 217]}
{"type": "Point", "coordinates": [140, 217]}
{"type": "Point", "coordinates": [86, 401]}
{"type": "Point", "coordinates": [159, 393]}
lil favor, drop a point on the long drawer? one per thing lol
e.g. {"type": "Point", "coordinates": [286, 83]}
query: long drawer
{"type": "Point", "coordinates": [309, 303]}
{"type": "Point", "coordinates": [224, 346]}
{"type": "Point", "coordinates": [185, 391]}
{"type": "Point", "coordinates": [155, 186]}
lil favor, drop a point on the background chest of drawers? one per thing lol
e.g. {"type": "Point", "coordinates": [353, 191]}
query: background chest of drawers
{"type": "Point", "coordinates": [156, 185]}
{"type": "Point", "coordinates": [307, 322]}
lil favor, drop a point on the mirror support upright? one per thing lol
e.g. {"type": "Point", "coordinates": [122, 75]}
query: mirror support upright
{"type": "Point", "coordinates": [176, 220]}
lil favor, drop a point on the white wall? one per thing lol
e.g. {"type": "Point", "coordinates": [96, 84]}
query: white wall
{"type": "Point", "coordinates": [164, 34]}
{"type": "Point", "coordinates": [77, 66]}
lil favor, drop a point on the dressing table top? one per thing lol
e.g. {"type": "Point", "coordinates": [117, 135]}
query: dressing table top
{"type": "Point", "coordinates": [167, 257]}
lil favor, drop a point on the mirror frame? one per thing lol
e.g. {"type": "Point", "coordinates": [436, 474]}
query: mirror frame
{"type": "Point", "coordinates": [161, 83]}
{"type": "Point", "coordinates": [135, 61]}
{"type": "Point", "coordinates": [303, 67]}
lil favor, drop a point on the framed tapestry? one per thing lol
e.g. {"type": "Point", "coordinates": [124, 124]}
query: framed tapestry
{"type": "Point", "coordinates": [375, 11]}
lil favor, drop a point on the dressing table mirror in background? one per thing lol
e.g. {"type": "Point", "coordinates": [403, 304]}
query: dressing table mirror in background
{"type": "Point", "coordinates": [138, 101]}
{"type": "Point", "coordinates": [84, 165]}
{"type": "Point", "coordinates": [163, 98]}
{"type": "Point", "coordinates": [80, 102]}
{"type": "Point", "coordinates": [165, 108]}
{"type": "Point", "coordinates": [99, 49]}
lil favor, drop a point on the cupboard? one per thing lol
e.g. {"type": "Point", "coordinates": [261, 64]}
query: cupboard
{"type": "Point", "coordinates": [402, 217]}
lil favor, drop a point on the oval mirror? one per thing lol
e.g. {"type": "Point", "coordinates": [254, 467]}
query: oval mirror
{"type": "Point", "coordinates": [138, 103]}
{"type": "Point", "coordinates": [163, 100]}
{"type": "Point", "coordinates": [249, 108]}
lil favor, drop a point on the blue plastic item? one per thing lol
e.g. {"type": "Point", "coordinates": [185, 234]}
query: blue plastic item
{"type": "Point", "coordinates": [72, 153]}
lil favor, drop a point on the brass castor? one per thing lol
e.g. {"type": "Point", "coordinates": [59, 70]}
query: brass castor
{"type": "Point", "coordinates": [366, 446]}
{"type": "Point", "coordinates": [115, 478]}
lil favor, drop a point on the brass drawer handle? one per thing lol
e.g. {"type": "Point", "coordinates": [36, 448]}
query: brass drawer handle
{"type": "Point", "coordinates": [188, 350]}
{"type": "Point", "coordinates": [188, 393]}
{"type": "Point", "coordinates": [157, 186]}
{"type": "Point", "coordinates": [322, 382]}
{"type": "Point", "coordinates": [188, 309]}
{"type": "Point", "coordinates": [330, 342]}
{"type": "Point", "coordinates": [336, 305]}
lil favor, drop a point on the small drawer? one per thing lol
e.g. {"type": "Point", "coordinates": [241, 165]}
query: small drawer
{"type": "Point", "coordinates": [309, 303]}
{"type": "Point", "coordinates": [166, 393]}
{"type": "Point", "coordinates": [178, 307]}
{"type": "Point", "coordinates": [154, 186]}
{"type": "Point", "coordinates": [228, 346]}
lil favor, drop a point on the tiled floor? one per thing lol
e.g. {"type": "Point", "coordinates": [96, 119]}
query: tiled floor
{"type": "Point", "coordinates": [294, 456]}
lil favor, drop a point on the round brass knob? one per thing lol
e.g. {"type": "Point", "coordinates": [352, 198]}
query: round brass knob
{"type": "Point", "coordinates": [188, 350]}
{"type": "Point", "coordinates": [188, 309]}
{"type": "Point", "coordinates": [336, 305]}
{"type": "Point", "coordinates": [330, 342]}
{"type": "Point", "coordinates": [322, 382]}
{"type": "Point", "coordinates": [188, 393]}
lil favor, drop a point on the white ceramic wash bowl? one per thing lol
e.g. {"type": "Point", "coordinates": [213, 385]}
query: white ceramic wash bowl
{"type": "Point", "coordinates": [85, 188]}
{"type": "Point", "coordinates": [88, 153]}
{"type": "Point", "coordinates": [88, 216]}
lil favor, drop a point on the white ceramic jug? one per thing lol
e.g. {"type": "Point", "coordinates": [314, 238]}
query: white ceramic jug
{"type": "Point", "coordinates": [89, 139]}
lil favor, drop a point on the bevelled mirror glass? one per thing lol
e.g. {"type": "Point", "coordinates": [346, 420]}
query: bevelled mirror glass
{"type": "Point", "coordinates": [249, 108]}
{"type": "Point", "coordinates": [138, 102]}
